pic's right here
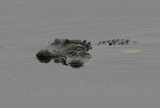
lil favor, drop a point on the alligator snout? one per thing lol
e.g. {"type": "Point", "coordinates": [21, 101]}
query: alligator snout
{"type": "Point", "coordinates": [44, 54]}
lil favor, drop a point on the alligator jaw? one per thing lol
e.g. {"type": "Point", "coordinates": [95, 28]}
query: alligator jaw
{"type": "Point", "coordinates": [76, 63]}
{"type": "Point", "coordinates": [77, 59]}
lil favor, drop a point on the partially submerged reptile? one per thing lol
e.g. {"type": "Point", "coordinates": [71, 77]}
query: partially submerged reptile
{"type": "Point", "coordinates": [72, 52]}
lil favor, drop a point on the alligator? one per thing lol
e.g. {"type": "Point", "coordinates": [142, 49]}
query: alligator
{"type": "Point", "coordinates": [72, 52]}
{"type": "Point", "coordinates": [65, 51]}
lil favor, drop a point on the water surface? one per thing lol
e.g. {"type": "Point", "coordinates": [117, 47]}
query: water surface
{"type": "Point", "coordinates": [116, 77]}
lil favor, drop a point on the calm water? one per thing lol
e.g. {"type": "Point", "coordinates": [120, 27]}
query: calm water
{"type": "Point", "coordinates": [116, 77]}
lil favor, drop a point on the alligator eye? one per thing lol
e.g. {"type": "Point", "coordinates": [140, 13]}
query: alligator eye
{"type": "Point", "coordinates": [78, 49]}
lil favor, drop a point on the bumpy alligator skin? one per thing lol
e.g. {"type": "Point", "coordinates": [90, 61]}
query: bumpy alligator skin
{"type": "Point", "coordinates": [68, 52]}
{"type": "Point", "coordinates": [114, 42]}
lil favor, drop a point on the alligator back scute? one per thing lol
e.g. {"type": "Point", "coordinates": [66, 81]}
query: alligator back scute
{"type": "Point", "coordinates": [114, 42]}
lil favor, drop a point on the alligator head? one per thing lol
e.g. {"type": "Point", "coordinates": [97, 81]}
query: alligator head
{"type": "Point", "coordinates": [68, 52]}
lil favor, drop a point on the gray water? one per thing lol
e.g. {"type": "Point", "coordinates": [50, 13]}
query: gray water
{"type": "Point", "coordinates": [116, 76]}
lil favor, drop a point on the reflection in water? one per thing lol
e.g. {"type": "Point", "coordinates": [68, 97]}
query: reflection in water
{"type": "Point", "coordinates": [62, 61]}
{"type": "Point", "coordinates": [44, 60]}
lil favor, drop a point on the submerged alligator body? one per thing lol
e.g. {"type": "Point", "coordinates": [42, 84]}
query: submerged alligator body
{"type": "Point", "coordinates": [72, 52]}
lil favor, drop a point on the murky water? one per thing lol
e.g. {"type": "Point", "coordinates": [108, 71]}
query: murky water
{"type": "Point", "coordinates": [116, 76]}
